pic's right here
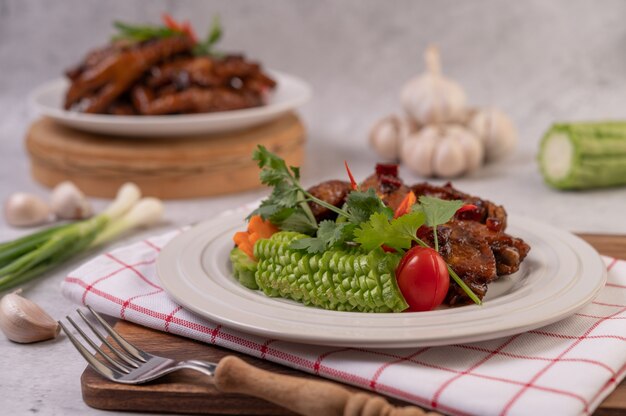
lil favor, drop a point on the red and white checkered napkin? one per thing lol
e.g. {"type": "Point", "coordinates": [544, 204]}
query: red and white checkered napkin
{"type": "Point", "coordinates": [566, 368]}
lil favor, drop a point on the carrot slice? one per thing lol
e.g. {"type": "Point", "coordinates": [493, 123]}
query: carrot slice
{"type": "Point", "coordinates": [257, 230]}
{"type": "Point", "coordinates": [240, 237]}
{"type": "Point", "coordinates": [247, 248]}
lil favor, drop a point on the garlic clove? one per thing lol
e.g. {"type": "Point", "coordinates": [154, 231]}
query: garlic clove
{"type": "Point", "coordinates": [496, 130]}
{"type": "Point", "coordinates": [471, 146]}
{"type": "Point", "coordinates": [431, 97]}
{"type": "Point", "coordinates": [69, 203]}
{"type": "Point", "coordinates": [418, 150]}
{"type": "Point", "coordinates": [385, 137]}
{"type": "Point", "coordinates": [24, 321]}
{"type": "Point", "coordinates": [25, 210]}
{"type": "Point", "coordinates": [449, 159]}
{"type": "Point", "coordinates": [388, 134]}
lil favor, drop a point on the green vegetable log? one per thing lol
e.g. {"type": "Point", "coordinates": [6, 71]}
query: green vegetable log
{"type": "Point", "coordinates": [584, 155]}
{"type": "Point", "coordinates": [337, 279]}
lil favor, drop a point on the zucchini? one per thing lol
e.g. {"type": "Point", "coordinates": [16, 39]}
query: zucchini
{"type": "Point", "coordinates": [584, 155]}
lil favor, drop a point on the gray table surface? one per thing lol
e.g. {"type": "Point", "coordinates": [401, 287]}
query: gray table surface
{"type": "Point", "coordinates": [539, 61]}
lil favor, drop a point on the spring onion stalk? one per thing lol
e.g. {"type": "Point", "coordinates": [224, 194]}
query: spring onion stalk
{"type": "Point", "coordinates": [145, 213]}
{"type": "Point", "coordinates": [28, 257]}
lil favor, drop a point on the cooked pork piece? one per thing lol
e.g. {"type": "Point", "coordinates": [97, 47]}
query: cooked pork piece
{"type": "Point", "coordinates": [95, 87]}
{"type": "Point", "coordinates": [162, 76]}
{"type": "Point", "coordinates": [486, 212]}
{"type": "Point", "coordinates": [334, 192]}
{"type": "Point", "coordinates": [192, 100]}
{"type": "Point", "coordinates": [387, 184]}
{"type": "Point", "coordinates": [478, 254]}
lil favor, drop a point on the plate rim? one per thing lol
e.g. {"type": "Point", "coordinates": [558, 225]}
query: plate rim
{"type": "Point", "coordinates": [164, 271]}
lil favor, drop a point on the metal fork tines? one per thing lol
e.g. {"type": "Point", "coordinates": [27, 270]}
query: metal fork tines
{"type": "Point", "coordinates": [126, 363]}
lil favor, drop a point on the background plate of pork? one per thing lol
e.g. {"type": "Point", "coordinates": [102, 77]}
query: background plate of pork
{"type": "Point", "coordinates": [290, 93]}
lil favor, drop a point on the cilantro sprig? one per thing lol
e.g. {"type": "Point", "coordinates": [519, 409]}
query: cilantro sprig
{"type": "Point", "coordinates": [287, 206]}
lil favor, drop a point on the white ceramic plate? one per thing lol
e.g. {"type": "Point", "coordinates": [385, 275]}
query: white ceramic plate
{"type": "Point", "coordinates": [290, 93]}
{"type": "Point", "coordinates": [561, 274]}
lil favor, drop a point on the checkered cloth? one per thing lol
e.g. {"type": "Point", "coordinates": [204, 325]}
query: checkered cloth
{"type": "Point", "coordinates": [566, 368]}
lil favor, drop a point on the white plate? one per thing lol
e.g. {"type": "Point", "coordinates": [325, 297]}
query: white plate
{"type": "Point", "coordinates": [290, 93]}
{"type": "Point", "coordinates": [561, 274]}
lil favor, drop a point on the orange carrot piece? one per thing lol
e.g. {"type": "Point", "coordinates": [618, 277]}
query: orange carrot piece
{"type": "Point", "coordinates": [240, 237]}
{"type": "Point", "coordinates": [253, 238]}
{"type": "Point", "coordinates": [247, 248]}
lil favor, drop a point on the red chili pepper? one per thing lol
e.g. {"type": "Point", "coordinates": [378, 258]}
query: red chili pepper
{"type": "Point", "coordinates": [188, 30]}
{"type": "Point", "coordinates": [405, 205]}
{"type": "Point", "coordinates": [388, 249]}
{"type": "Point", "coordinates": [170, 22]}
{"type": "Point", "coordinates": [466, 207]}
{"type": "Point", "coordinates": [355, 186]}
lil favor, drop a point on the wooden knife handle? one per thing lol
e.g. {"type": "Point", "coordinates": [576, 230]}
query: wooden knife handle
{"type": "Point", "coordinates": [303, 396]}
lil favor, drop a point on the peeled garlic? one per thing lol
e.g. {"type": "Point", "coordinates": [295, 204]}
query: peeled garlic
{"type": "Point", "coordinates": [443, 151]}
{"type": "Point", "coordinates": [69, 203]}
{"type": "Point", "coordinates": [24, 210]}
{"type": "Point", "coordinates": [496, 131]}
{"type": "Point", "coordinates": [24, 321]}
{"type": "Point", "coordinates": [387, 135]}
{"type": "Point", "coordinates": [431, 97]}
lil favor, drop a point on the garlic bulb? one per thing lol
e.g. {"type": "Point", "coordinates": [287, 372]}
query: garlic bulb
{"type": "Point", "coordinates": [443, 151]}
{"type": "Point", "coordinates": [431, 97]}
{"type": "Point", "coordinates": [496, 131]}
{"type": "Point", "coordinates": [24, 210]}
{"type": "Point", "coordinates": [69, 203]}
{"type": "Point", "coordinates": [24, 321]}
{"type": "Point", "coordinates": [387, 135]}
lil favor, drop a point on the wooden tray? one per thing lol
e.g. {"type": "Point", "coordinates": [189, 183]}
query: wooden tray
{"type": "Point", "coordinates": [168, 168]}
{"type": "Point", "coordinates": [191, 393]}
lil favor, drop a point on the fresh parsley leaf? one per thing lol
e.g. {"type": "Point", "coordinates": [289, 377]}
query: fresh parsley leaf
{"type": "Point", "coordinates": [361, 206]}
{"type": "Point", "coordinates": [333, 233]}
{"type": "Point", "coordinates": [398, 233]}
{"type": "Point", "coordinates": [296, 172]}
{"type": "Point", "coordinates": [267, 159]}
{"type": "Point", "coordinates": [312, 245]}
{"type": "Point", "coordinates": [293, 219]}
{"type": "Point", "coordinates": [407, 225]}
{"type": "Point", "coordinates": [438, 211]}
{"type": "Point", "coordinates": [329, 234]}
{"type": "Point", "coordinates": [266, 210]}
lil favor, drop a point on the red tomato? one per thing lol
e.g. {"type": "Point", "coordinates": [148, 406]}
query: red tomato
{"type": "Point", "coordinates": [423, 278]}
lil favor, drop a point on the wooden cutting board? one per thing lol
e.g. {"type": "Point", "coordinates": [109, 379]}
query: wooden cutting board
{"type": "Point", "coordinates": [191, 393]}
{"type": "Point", "coordinates": [168, 168]}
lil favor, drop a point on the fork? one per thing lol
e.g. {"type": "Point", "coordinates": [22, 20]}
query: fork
{"type": "Point", "coordinates": [130, 365]}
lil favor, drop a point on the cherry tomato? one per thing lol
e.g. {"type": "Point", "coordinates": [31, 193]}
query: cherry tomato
{"type": "Point", "coordinates": [423, 278]}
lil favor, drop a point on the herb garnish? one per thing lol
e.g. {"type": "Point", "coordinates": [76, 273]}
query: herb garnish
{"type": "Point", "coordinates": [364, 219]}
{"type": "Point", "coordinates": [141, 33]}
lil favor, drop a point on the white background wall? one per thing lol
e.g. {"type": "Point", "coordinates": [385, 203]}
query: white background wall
{"type": "Point", "coordinates": [541, 61]}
